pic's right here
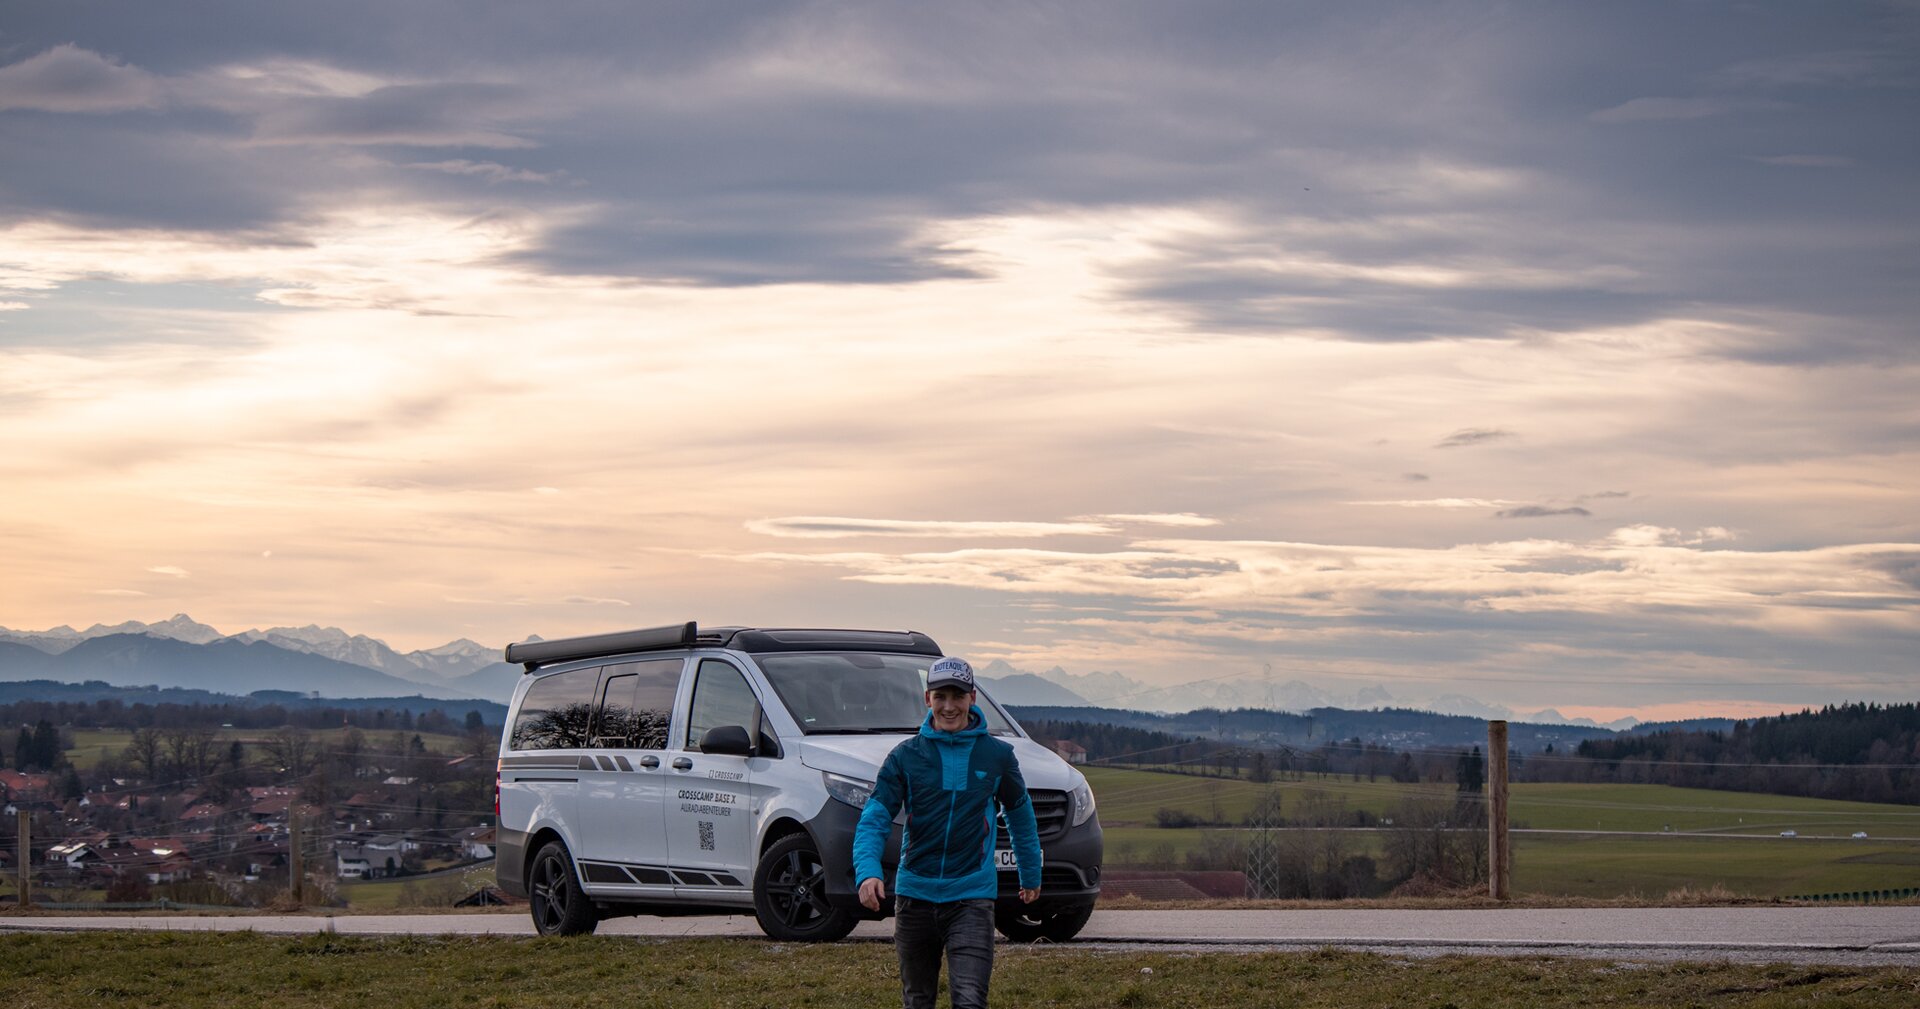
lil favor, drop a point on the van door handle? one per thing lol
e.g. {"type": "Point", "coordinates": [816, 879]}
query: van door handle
{"type": "Point", "coordinates": [683, 763]}
{"type": "Point", "coordinates": [649, 761]}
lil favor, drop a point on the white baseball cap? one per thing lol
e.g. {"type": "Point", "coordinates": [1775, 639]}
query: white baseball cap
{"type": "Point", "coordinates": [950, 672]}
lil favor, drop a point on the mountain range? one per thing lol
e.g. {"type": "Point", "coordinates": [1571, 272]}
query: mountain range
{"type": "Point", "coordinates": [182, 652]}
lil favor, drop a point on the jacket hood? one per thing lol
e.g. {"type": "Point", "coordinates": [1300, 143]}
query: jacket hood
{"type": "Point", "coordinates": [976, 726]}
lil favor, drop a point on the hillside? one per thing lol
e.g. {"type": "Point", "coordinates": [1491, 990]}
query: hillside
{"type": "Point", "coordinates": [1400, 728]}
{"type": "Point", "coordinates": [226, 666]}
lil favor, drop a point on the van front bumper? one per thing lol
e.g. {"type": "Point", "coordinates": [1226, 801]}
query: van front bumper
{"type": "Point", "coordinates": [1070, 875]}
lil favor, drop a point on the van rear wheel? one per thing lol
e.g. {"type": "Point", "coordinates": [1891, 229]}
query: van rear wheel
{"type": "Point", "coordinates": [790, 894]}
{"type": "Point", "coordinates": [558, 904]}
{"type": "Point", "coordinates": [1057, 925]}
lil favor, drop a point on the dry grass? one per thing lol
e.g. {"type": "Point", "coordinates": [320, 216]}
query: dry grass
{"type": "Point", "coordinates": [320, 972]}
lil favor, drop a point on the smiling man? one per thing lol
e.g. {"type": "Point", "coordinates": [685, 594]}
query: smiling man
{"type": "Point", "coordinates": [951, 778]}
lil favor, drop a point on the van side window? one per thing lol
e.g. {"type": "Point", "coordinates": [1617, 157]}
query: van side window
{"type": "Point", "coordinates": [636, 702]}
{"type": "Point", "coordinates": [720, 697]}
{"type": "Point", "coordinates": [556, 711]}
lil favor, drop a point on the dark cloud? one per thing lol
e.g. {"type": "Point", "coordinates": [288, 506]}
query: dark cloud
{"type": "Point", "coordinates": [1903, 567]}
{"type": "Point", "coordinates": [1415, 477]}
{"type": "Point", "coordinates": [67, 78]}
{"type": "Point", "coordinates": [1473, 436]}
{"type": "Point", "coordinates": [1538, 511]}
{"type": "Point", "coordinates": [1568, 166]}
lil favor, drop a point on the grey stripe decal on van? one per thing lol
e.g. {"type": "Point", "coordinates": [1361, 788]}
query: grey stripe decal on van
{"type": "Point", "coordinates": [619, 873]}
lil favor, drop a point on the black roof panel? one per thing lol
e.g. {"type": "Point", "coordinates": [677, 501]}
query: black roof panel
{"type": "Point", "coordinates": [534, 654]}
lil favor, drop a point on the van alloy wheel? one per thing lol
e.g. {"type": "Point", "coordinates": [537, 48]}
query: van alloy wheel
{"type": "Point", "coordinates": [558, 905]}
{"type": "Point", "coordinates": [790, 894]}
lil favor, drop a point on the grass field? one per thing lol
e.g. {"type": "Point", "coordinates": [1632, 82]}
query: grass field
{"type": "Point", "coordinates": [431, 891]}
{"type": "Point", "coordinates": [1132, 798]}
{"type": "Point", "coordinates": [1600, 866]}
{"type": "Point", "coordinates": [221, 970]}
{"type": "Point", "coordinates": [89, 745]}
{"type": "Point", "coordinates": [1616, 862]}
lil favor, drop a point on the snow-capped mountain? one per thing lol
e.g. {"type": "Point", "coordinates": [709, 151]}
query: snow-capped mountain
{"type": "Point", "coordinates": [55, 640]}
{"type": "Point", "coordinates": [456, 658]}
{"type": "Point", "coordinates": [334, 643]}
{"type": "Point", "coordinates": [432, 667]}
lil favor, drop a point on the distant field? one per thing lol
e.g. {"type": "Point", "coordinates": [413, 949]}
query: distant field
{"type": "Point", "coordinates": [430, 891]}
{"type": "Point", "coordinates": [1619, 862]}
{"type": "Point", "coordinates": [1128, 797]}
{"type": "Point", "coordinates": [1650, 866]}
{"type": "Point", "coordinates": [1132, 798]}
{"type": "Point", "coordinates": [1606, 866]}
{"type": "Point", "coordinates": [1656, 807]}
{"type": "Point", "coordinates": [92, 744]}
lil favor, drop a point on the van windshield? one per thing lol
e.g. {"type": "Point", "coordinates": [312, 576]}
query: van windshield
{"type": "Point", "coordinates": [859, 692]}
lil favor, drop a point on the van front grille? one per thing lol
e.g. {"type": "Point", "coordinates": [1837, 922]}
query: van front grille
{"type": "Point", "coordinates": [1051, 809]}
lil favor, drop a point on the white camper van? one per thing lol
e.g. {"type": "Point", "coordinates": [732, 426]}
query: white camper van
{"type": "Point", "coordinates": [689, 770]}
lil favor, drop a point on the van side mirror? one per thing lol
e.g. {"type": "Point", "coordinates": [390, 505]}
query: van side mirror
{"type": "Point", "coordinates": [728, 739]}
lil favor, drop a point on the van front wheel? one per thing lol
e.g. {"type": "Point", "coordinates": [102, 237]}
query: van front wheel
{"type": "Point", "coordinates": [559, 906]}
{"type": "Point", "coordinates": [790, 894]}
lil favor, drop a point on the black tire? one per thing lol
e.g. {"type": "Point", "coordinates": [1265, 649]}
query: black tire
{"type": "Point", "coordinates": [558, 904]}
{"type": "Point", "coordinates": [1059, 924]}
{"type": "Point", "coordinates": [790, 894]}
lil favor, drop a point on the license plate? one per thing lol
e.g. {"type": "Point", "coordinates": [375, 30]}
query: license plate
{"type": "Point", "coordinates": [1003, 859]}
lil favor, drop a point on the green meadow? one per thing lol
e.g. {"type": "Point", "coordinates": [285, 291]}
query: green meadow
{"type": "Point", "coordinates": [1621, 840]}
{"type": "Point", "coordinates": [1133, 798]}
{"type": "Point", "coordinates": [90, 745]}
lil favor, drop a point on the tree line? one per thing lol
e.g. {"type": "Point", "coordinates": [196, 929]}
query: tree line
{"type": "Point", "coordinates": [1855, 751]}
{"type": "Point", "coordinates": [1858, 751]}
{"type": "Point", "coordinates": [38, 743]}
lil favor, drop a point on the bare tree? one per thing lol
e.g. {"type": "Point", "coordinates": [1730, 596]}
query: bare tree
{"type": "Point", "coordinates": [292, 750]}
{"type": "Point", "coordinates": [144, 753]}
{"type": "Point", "coordinates": [191, 753]}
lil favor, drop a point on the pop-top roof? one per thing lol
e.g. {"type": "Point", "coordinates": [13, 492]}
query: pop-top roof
{"type": "Point", "coordinates": [534, 654]}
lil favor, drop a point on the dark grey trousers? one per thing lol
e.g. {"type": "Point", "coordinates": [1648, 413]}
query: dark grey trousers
{"type": "Point", "coordinates": [963, 929]}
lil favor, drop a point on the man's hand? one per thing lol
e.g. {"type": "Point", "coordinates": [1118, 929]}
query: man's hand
{"type": "Point", "coordinates": [1026, 896]}
{"type": "Point", "coordinates": [872, 892]}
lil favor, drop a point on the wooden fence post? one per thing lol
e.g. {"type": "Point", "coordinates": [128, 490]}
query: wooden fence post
{"type": "Point", "coordinates": [25, 861]}
{"type": "Point", "coordinates": [295, 868]}
{"type": "Point", "coordinates": [1499, 849]}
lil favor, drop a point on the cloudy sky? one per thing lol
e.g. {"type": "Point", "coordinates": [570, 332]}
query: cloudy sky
{"type": "Point", "coordinates": [1553, 354]}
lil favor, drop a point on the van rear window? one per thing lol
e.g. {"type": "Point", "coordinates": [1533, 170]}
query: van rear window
{"type": "Point", "coordinates": [557, 711]}
{"type": "Point", "coordinates": [859, 692]}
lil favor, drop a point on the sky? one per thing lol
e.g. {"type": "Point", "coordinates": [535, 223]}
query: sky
{"type": "Point", "coordinates": [1551, 354]}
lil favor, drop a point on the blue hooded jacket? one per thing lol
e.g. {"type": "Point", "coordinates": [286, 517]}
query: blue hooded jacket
{"type": "Point", "coordinates": [951, 785]}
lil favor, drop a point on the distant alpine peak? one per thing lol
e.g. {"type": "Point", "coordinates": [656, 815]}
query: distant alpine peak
{"type": "Point", "coordinates": [460, 646]}
{"type": "Point", "coordinates": [179, 627]}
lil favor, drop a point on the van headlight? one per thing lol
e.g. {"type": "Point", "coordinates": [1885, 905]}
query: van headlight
{"type": "Point", "coordinates": [851, 791]}
{"type": "Point", "coordinates": [1082, 802]}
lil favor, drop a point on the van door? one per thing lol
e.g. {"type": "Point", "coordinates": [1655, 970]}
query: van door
{"type": "Point", "coordinates": [623, 780]}
{"type": "Point", "coordinates": [710, 810]}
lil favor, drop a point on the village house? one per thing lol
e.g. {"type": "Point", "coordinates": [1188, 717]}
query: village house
{"type": "Point", "coordinates": [476, 843]}
{"type": "Point", "coordinates": [18, 788]}
{"type": "Point", "coordinates": [1070, 751]}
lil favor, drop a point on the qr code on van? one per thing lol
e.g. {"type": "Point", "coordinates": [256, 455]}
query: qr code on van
{"type": "Point", "coordinates": [706, 835]}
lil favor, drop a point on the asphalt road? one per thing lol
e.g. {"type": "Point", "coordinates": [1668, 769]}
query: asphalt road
{"type": "Point", "coordinates": [1831, 935]}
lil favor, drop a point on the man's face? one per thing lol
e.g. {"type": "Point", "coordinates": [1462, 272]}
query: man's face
{"type": "Point", "coordinates": [950, 707]}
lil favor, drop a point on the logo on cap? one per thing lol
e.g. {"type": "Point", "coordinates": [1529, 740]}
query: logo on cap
{"type": "Point", "coordinates": [950, 671]}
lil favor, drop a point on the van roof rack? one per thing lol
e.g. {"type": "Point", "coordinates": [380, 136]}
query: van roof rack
{"type": "Point", "coordinates": [534, 654]}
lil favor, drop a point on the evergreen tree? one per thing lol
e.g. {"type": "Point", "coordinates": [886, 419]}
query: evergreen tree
{"type": "Point", "coordinates": [1471, 771]}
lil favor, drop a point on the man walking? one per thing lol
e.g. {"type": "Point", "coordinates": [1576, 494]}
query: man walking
{"type": "Point", "coordinates": [949, 778]}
